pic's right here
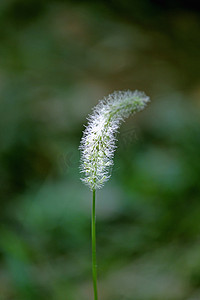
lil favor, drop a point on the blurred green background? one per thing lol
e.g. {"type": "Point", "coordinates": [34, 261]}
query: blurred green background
{"type": "Point", "coordinates": [57, 58]}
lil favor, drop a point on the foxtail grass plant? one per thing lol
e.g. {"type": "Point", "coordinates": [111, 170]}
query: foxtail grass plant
{"type": "Point", "coordinates": [98, 145]}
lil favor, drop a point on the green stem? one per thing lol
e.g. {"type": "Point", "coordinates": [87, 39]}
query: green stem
{"type": "Point", "coordinates": [94, 263]}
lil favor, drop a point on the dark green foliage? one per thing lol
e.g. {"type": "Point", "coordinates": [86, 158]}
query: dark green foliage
{"type": "Point", "coordinates": [56, 59]}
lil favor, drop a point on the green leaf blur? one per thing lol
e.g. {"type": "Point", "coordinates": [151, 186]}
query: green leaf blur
{"type": "Point", "coordinates": [57, 58]}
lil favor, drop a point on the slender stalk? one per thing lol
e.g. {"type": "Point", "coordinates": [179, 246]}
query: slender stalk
{"type": "Point", "coordinates": [94, 263]}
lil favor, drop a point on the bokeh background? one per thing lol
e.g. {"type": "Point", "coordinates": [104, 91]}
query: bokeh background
{"type": "Point", "coordinates": [57, 59]}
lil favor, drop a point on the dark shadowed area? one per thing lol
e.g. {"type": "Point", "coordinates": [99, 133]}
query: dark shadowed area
{"type": "Point", "coordinates": [57, 59]}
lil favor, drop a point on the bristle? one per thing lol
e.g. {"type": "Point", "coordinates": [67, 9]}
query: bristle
{"type": "Point", "coordinates": [98, 142]}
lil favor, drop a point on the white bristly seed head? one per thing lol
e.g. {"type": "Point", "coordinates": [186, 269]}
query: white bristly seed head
{"type": "Point", "coordinates": [99, 138]}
